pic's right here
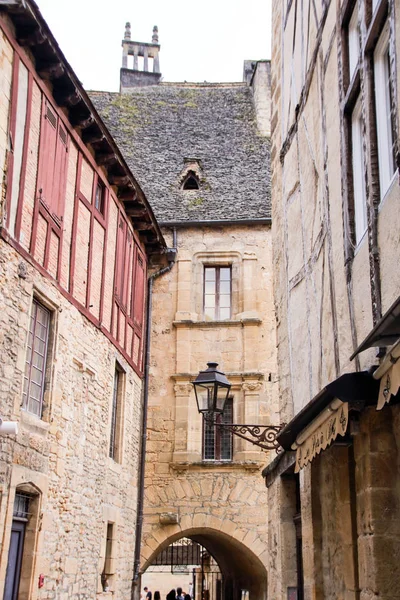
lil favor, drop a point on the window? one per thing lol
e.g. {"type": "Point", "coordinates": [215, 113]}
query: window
{"type": "Point", "coordinates": [108, 570]}
{"type": "Point", "coordinates": [353, 42]}
{"type": "Point", "coordinates": [359, 196]}
{"type": "Point", "coordinates": [384, 113]}
{"type": "Point", "coordinates": [217, 292]}
{"type": "Point", "coordinates": [36, 356]}
{"type": "Point", "coordinates": [52, 174]}
{"type": "Point", "coordinates": [217, 442]}
{"type": "Point", "coordinates": [116, 416]}
{"type": "Point", "coordinates": [23, 537]}
{"type": "Point", "coordinates": [99, 198]}
{"type": "Point", "coordinates": [191, 182]}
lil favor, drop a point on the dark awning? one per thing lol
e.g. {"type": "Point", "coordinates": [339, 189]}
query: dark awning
{"type": "Point", "coordinates": [385, 333]}
{"type": "Point", "coordinates": [350, 388]}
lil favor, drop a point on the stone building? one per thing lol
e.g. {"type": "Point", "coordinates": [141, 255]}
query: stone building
{"type": "Point", "coordinates": [73, 257]}
{"type": "Point", "coordinates": [201, 155]}
{"type": "Point", "coordinates": [334, 491]}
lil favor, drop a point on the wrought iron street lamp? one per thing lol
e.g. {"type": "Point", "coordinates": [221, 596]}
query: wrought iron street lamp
{"type": "Point", "coordinates": [211, 388]}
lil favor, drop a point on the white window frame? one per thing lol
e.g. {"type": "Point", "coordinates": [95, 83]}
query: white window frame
{"type": "Point", "coordinates": [383, 112]}
{"type": "Point", "coordinates": [353, 42]}
{"type": "Point", "coordinates": [358, 164]}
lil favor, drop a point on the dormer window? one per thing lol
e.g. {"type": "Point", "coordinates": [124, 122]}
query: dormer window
{"type": "Point", "coordinates": [191, 182]}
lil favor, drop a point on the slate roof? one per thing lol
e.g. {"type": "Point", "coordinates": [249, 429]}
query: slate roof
{"type": "Point", "coordinates": [157, 127]}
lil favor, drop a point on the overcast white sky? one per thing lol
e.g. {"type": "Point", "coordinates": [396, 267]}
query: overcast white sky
{"type": "Point", "coordinates": [203, 41]}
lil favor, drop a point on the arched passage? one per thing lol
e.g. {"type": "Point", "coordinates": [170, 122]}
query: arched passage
{"type": "Point", "coordinates": [241, 568]}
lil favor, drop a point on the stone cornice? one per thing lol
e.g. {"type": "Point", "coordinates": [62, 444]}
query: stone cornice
{"type": "Point", "coordinates": [182, 467]}
{"type": "Point", "coordinates": [213, 324]}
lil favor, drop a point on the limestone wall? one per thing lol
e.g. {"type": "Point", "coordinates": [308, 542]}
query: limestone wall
{"type": "Point", "coordinates": [213, 498]}
{"type": "Point", "coordinates": [330, 290]}
{"type": "Point", "coordinates": [63, 458]}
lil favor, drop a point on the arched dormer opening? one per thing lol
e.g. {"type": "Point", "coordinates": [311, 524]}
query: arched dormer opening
{"type": "Point", "coordinates": [191, 181]}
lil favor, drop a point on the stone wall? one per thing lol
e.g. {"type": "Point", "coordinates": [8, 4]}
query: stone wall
{"type": "Point", "coordinates": [329, 293]}
{"type": "Point", "coordinates": [211, 499]}
{"type": "Point", "coordinates": [63, 458]}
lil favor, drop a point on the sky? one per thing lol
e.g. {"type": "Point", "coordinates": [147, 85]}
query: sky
{"type": "Point", "coordinates": [203, 41]}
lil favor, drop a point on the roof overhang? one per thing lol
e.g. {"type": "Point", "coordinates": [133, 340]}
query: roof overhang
{"type": "Point", "coordinates": [33, 33]}
{"type": "Point", "coordinates": [385, 333]}
{"type": "Point", "coordinates": [356, 390]}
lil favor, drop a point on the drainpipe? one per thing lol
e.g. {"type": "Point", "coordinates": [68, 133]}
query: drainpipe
{"type": "Point", "coordinates": [171, 255]}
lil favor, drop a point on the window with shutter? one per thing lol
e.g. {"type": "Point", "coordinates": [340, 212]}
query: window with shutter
{"type": "Point", "coordinates": [138, 291]}
{"type": "Point", "coordinates": [53, 161]}
{"type": "Point", "coordinates": [120, 260]}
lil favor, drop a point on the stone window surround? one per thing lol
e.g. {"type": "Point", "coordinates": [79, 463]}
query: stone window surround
{"type": "Point", "coordinates": [117, 458]}
{"type": "Point", "coordinates": [39, 296]}
{"type": "Point", "coordinates": [29, 482]}
{"type": "Point", "coordinates": [246, 389]}
{"type": "Point", "coordinates": [377, 26]}
{"type": "Point", "coordinates": [385, 133]}
{"type": "Point", "coordinates": [218, 259]}
{"type": "Point", "coordinates": [111, 515]}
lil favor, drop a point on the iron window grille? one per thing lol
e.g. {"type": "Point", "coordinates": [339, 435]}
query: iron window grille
{"type": "Point", "coordinates": [36, 358]}
{"type": "Point", "coordinates": [217, 441]}
{"type": "Point", "coordinates": [21, 506]}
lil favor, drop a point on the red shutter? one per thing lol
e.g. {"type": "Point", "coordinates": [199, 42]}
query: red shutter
{"type": "Point", "coordinates": [53, 161]}
{"type": "Point", "coordinates": [48, 144]}
{"type": "Point", "coordinates": [139, 291]}
{"type": "Point", "coordinates": [119, 267]}
{"type": "Point", "coordinates": [60, 171]}
{"type": "Point", "coordinates": [127, 267]}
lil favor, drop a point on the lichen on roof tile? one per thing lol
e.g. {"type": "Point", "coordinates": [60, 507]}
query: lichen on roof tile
{"type": "Point", "coordinates": [158, 127]}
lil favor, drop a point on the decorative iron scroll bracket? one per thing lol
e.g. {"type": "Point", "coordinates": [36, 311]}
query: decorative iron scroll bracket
{"type": "Point", "coordinates": [263, 436]}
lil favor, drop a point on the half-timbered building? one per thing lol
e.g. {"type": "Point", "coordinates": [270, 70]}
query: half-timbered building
{"type": "Point", "coordinates": [76, 234]}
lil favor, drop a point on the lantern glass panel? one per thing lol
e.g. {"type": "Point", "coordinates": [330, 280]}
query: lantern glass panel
{"type": "Point", "coordinates": [222, 395]}
{"type": "Point", "coordinates": [204, 395]}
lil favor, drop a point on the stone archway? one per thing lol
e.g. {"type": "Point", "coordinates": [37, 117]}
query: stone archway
{"type": "Point", "coordinates": [236, 553]}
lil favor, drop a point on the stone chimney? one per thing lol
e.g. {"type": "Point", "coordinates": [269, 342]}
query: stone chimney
{"type": "Point", "coordinates": [257, 74]}
{"type": "Point", "coordinates": [130, 75]}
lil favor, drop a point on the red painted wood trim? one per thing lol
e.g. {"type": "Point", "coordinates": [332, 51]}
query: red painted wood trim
{"type": "Point", "coordinates": [113, 304]}
{"type": "Point", "coordinates": [45, 89]}
{"type": "Point", "coordinates": [127, 269]}
{"type": "Point", "coordinates": [14, 244]}
{"type": "Point", "coordinates": [37, 201]}
{"type": "Point", "coordinates": [11, 131]}
{"type": "Point", "coordinates": [74, 225]}
{"type": "Point", "coordinates": [18, 219]}
{"type": "Point", "coordinates": [64, 192]}
{"type": "Point", "coordinates": [91, 235]}
{"type": "Point", "coordinates": [47, 246]}
{"type": "Point", "coordinates": [104, 264]}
